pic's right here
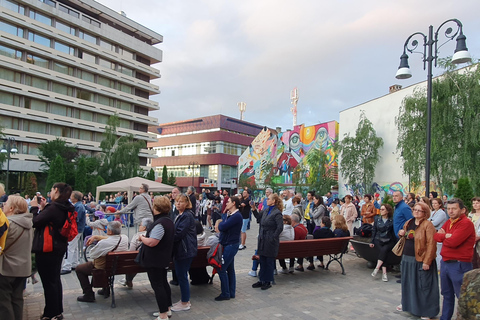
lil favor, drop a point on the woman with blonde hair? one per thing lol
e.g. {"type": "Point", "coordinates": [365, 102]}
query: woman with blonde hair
{"type": "Point", "coordinates": [420, 293]}
{"type": "Point", "coordinates": [15, 260]}
{"type": "Point", "coordinates": [426, 200]}
{"type": "Point", "coordinates": [271, 225]}
{"type": "Point", "coordinates": [340, 228]}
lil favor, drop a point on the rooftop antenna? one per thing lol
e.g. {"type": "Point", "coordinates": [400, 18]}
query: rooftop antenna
{"type": "Point", "coordinates": [242, 106]}
{"type": "Point", "coordinates": [294, 99]}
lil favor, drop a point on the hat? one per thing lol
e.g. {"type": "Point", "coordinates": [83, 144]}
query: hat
{"type": "Point", "coordinates": [111, 209]}
{"type": "Point", "coordinates": [99, 214]}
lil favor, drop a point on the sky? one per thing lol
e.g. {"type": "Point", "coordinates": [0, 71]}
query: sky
{"type": "Point", "coordinates": [338, 54]}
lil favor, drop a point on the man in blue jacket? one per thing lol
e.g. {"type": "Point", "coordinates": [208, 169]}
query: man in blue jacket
{"type": "Point", "coordinates": [402, 212]}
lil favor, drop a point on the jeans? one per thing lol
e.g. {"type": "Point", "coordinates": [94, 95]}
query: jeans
{"type": "Point", "coordinates": [267, 265]}
{"type": "Point", "coordinates": [49, 266]}
{"type": "Point", "coordinates": [159, 283]}
{"type": "Point", "coordinates": [255, 263]}
{"type": "Point", "coordinates": [451, 276]}
{"type": "Point", "coordinates": [227, 272]}
{"type": "Point", "coordinates": [181, 269]}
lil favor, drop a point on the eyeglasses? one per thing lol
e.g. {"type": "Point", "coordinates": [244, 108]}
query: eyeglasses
{"type": "Point", "coordinates": [417, 210]}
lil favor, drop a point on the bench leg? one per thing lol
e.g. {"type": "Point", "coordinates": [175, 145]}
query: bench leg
{"type": "Point", "coordinates": [111, 281]}
{"type": "Point", "coordinates": [333, 257]}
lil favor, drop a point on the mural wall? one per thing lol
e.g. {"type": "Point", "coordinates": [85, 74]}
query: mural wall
{"type": "Point", "coordinates": [283, 152]}
{"type": "Point", "coordinates": [389, 188]}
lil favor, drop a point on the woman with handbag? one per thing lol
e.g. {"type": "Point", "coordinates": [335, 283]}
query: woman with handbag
{"type": "Point", "coordinates": [420, 293]}
{"type": "Point", "coordinates": [184, 248]}
{"type": "Point", "coordinates": [271, 225]}
{"type": "Point", "coordinates": [155, 253]}
{"type": "Point", "coordinates": [50, 246]}
{"type": "Point", "coordinates": [16, 259]}
{"type": "Point", "coordinates": [383, 237]}
{"type": "Point", "coordinates": [230, 230]}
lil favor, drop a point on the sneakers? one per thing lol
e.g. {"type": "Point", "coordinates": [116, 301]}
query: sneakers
{"type": "Point", "coordinates": [284, 271]}
{"type": "Point", "coordinates": [157, 314]}
{"type": "Point", "coordinates": [252, 273]}
{"type": "Point", "coordinates": [399, 308]}
{"type": "Point", "coordinates": [275, 272]}
{"type": "Point", "coordinates": [126, 283]}
{"type": "Point", "coordinates": [374, 273]}
{"type": "Point", "coordinates": [311, 267]}
{"type": "Point", "coordinates": [221, 298]}
{"type": "Point", "coordinates": [266, 285]}
{"type": "Point", "coordinates": [241, 247]}
{"type": "Point", "coordinates": [257, 284]}
{"type": "Point", "coordinates": [291, 270]}
{"type": "Point", "coordinates": [299, 268]}
{"type": "Point", "coordinates": [179, 306]}
{"type": "Point", "coordinates": [86, 298]}
{"type": "Point", "coordinates": [384, 277]}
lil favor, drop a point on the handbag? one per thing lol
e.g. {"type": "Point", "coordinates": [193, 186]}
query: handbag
{"type": "Point", "coordinates": [398, 249]}
{"type": "Point", "coordinates": [140, 256]}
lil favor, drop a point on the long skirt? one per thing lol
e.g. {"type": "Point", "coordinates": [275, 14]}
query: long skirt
{"type": "Point", "coordinates": [420, 293]}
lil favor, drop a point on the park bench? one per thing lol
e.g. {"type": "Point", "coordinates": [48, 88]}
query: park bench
{"type": "Point", "coordinates": [122, 262]}
{"type": "Point", "coordinates": [332, 247]}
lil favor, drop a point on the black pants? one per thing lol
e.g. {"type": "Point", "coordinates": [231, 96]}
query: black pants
{"type": "Point", "coordinates": [284, 265]}
{"type": "Point", "coordinates": [11, 297]}
{"type": "Point", "coordinates": [49, 266]}
{"type": "Point", "coordinates": [159, 283]}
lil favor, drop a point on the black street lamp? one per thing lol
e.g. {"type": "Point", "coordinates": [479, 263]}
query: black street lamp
{"type": "Point", "coordinates": [9, 147]}
{"type": "Point", "coordinates": [193, 164]}
{"type": "Point", "coordinates": [461, 55]}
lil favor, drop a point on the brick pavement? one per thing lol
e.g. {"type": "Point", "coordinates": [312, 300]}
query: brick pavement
{"type": "Point", "coordinates": [318, 294]}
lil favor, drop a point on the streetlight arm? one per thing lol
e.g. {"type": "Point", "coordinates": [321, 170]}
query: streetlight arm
{"type": "Point", "coordinates": [448, 35]}
{"type": "Point", "coordinates": [412, 46]}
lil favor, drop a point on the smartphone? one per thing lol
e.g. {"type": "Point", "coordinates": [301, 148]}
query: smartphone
{"type": "Point", "coordinates": [39, 199]}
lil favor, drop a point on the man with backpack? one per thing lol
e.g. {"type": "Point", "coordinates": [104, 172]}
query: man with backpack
{"type": "Point", "coordinates": [73, 254]}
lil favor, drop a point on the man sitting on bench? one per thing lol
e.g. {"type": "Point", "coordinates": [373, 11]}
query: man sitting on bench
{"type": "Point", "coordinates": [114, 241]}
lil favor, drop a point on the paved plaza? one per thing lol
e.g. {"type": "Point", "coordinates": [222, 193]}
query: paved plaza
{"type": "Point", "coordinates": [318, 294]}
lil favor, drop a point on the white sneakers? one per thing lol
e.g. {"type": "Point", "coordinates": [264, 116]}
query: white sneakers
{"type": "Point", "coordinates": [374, 273]}
{"type": "Point", "coordinates": [384, 277]}
{"type": "Point", "coordinates": [179, 306]}
{"type": "Point", "coordinates": [252, 273]}
{"type": "Point", "coordinates": [157, 314]}
{"type": "Point", "coordinates": [241, 247]}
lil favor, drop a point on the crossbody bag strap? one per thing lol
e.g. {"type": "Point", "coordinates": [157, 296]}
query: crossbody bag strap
{"type": "Point", "coordinates": [117, 244]}
{"type": "Point", "coordinates": [149, 203]}
{"type": "Point", "coordinates": [3, 252]}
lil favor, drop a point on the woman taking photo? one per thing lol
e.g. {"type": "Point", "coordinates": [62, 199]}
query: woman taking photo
{"type": "Point", "coordinates": [229, 239]}
{"type": "Point", "coordinates": [156, 251]}
{"type": "Point", "coordinates": [383, 237]}
{"type": "Point", "coordinates": [271, 225]}
{"type": "Point", "coordinates": [49, 261]}
{"type": "Point", "coordinates": [16, 259]}
{"type": "Point", "coordinates": [420, 294]}
{"type": "Point", "coordinates": [184, 248]}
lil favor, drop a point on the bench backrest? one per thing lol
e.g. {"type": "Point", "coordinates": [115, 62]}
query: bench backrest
{"type": "Point", "coordinates": [313, 247]}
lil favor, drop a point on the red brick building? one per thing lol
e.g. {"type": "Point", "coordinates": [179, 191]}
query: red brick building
{"type": "Point", "coordinates": [202, 152]}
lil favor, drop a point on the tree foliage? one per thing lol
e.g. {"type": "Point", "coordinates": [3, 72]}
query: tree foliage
{"type": "Point", "coordinates": [56, 173]}
{"type": "Point", "coordinates": [119, 158]}
{"type": "Point", "coordinates": [49, 151]}
{"type": "Point", "coordinates": [172, 181]}
{"type": "Point", "coordinates": [151, 175]}
{"type": "Point", "coordinates": [3, 156]}
{"type": "Point", "coordinates": [31, 185]}
{"type": "Point", "coordinates": [164, 175]}
{"type": "Point", "coordinates": [359, 155]}
{"type": "Point", "coordinates": [464, 191]}
{"type": "Point", "coordinates": [81, 176]}
{"type": "Point", "coordinates": [455, 147]}
{"type": "Point", "coordinates": [320, 175]}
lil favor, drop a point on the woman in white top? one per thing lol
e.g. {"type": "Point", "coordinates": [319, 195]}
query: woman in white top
{"type": "Point", "coordinates": [288, 234]}
{"type": "Point", "coordinates": [438, 218]}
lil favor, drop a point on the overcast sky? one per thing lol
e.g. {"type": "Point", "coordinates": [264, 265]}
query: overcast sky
{"type": "Point", "coordinates": [338, 53]}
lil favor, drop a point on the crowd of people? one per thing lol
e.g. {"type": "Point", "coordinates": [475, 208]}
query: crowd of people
{"type": "Point", "coordinates": [176, 224]}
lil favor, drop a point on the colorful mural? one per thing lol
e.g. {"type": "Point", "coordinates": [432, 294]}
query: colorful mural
{"type": "Point", "coordinates": [390, 188]}
{"type": "Point", "coordinates": [282, 152]}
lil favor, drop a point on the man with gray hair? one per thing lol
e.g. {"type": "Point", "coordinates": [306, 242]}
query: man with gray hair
{"type": "Point", "coordinates": [191, 196]}
{"type": "Point", "coordinates": [72, 258]}
{"type": "Point", "coordinates": [141, 205]}
{"type": "Point", "coordinates": [113, 241]}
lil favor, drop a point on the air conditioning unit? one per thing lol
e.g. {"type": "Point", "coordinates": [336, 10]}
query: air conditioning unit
{"type": "Point", "coordinates": [207, 181]}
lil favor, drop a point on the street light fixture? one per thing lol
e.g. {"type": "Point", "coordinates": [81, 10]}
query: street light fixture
{"type": "Point", "coordinates": [461, 55]}
{"type": "Point", "coordinates": [193, 164]}
{"type": "Point", "coordinates": [9, 147]}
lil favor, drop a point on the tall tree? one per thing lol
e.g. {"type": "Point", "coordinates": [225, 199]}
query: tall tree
{"type": "Point", "coordinates": [164, 175]}
{"type": "Point", "coordinates": [320, 177]}
{"type": "Point", "coordinates": [455, 136]}
{"type": "Point", "coordinates": [172, 181]}
{"type": "Point", "coordinates": [119, 154]}
{"type": "Point", "coordinates": [81, 176]}
{"type": "Point", "coordinates": [151, 175]}
{"type": "Point", "coordinates": [360, 155]}
{"type": "Point", "coordinates": [56, 173]}
{"type": "Point", "coordinates": [31, 185]}
{"type": "Point", "coordinates": [51, 149]}
{"type": "Point", "coordinates": [464, 191]}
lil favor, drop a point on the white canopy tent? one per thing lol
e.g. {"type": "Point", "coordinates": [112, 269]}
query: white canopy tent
{"type": "Point", "coordinates": [131, 185]}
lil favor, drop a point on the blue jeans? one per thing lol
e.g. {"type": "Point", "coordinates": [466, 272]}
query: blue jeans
{"type": "Point", "coordinates": [451, 276]}
{"type": "Point", "coordinates": [267, 265]}
{"type": "Point", "coordinates": [181, 269]}
{"type": "Point", "coordinates": [255, 263]}
{"type": "Point", "coordinates": [227, 273]}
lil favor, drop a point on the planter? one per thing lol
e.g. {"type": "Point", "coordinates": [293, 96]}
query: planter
{"type": "Point", "coordinates": [363, 250]}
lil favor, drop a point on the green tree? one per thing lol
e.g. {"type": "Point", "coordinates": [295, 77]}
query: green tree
{"type": "Point", "coordinates": [81, 176]}
{"type": "Point", "coordinates": [464, 191]}
{"type": "Point", "coordinates": [56, 173]}
{"type": "Point", "coordinates": [455, 137]}
{"type": "Point", "coordinates": [119, 158]}
{"type": "Point", "coordinates": [321, 177]}
{"type": "Point", "coordinates": [151, 175]}
{"type": "Point", "coordinates": [172, 181]}
{"type": "Point", "coordinates": [245, 182]}
{"type": "Point", "coordinates": [269, 181]}
{"type": "Point", "coordinates": [359, 155]}
{"type": "Point", "coordinates": [49, 151]}
{"type": "Point", "coordinates": [31, 185]}
{"type": "Point", "coordinates": [164, 175]}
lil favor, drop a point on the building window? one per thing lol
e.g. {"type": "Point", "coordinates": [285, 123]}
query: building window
{"type": "Point", "coordinates": [10, 28]}
{"type": "Point", "coordinates": [34, 104]}
{"type": "Point", "coordinates": [62, 89]}
{"type": "Point", "coordinates": [125, 88]}
{"type": "Point", "coordinates": [86, 56]}
{"type": "Point", "coordinates": [37, 61]}
{"type": "Point", "coordinates": [65, 27]}
{"type": "Point", "coordinates": [13, 6]}
{"type": "Point", "coordinates": [10, 75]}
{"type": "Point", "coordinates": [86, 115]}
{"type": "Point", "coordinates": [44, 41]}
{"type": "Point", "coordinates": [64, 48]}
{"type": "Point", "coordinates": [88, 37]}
{"type": "Point", "coordinates": [125, 53]}
{"type": "Point", "coordinates": [9, 52]}
{"type": "Point", "coordinates": [85, 75]}
{"type": "Point", "coordinates": [62, 68]}
{"type": "Point", "coordinates": [49, 2]}
{"type": "Point", "coordinates": [101, 118]}
{"type": "Point", "coordinates": [106, 82]}
{"type": "Point", "coordinates": [91, 21]}
{"type": "Point", "coordinates": [36, 82]}
{"type": "Point", "coordinates": [55, 130]}
{"type": "Point", "coordinates": [59, 109]}
{"type": "Point", "coordinates": [125, 70]}
{"type": "Point", "coordinates": [124, 105]}
{"type": "Point", "coordinates": [105, 100]}
{"type": "Point", "coordinates": [40, 17]}
{"type": "Point", "coordinates": [106, 63]}
{"type": "Point", "coordinates": [84, 95]}
{"type": "Point", "coordinates": [107, 45]}
{"type": "Point", "coordinates": [71, 12]}
{"type": "Point", "coordinates": [34, 126]}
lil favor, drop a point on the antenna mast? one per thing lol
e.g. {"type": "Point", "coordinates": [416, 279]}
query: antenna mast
{"type": "Point", "coordinates": [242, 106]}
{"type": "Point", "coordinates": [294, 99]}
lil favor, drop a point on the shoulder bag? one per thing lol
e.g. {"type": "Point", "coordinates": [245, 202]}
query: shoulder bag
{"type": "Point", "coordinates": [398, 249]}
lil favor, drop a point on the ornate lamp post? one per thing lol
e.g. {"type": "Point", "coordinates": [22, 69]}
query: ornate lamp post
{"type": "Point", "coordinates": [9, 147]}
{"type": "Point", "coordinates": [430, 55]}
{"type": "Point", "coordinates": [193, 164]}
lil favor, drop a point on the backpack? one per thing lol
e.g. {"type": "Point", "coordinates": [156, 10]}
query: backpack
{"type": "Point", "coordinates": [365, 230]}
{"type": "Point", "coordinates": [70, 228]}
{"type": "Point", "coordinates": [214, 256]}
